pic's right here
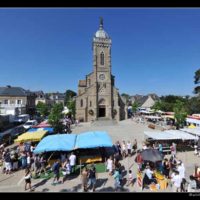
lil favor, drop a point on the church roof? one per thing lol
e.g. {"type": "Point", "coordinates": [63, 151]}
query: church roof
{"type": "Point", "coordinates": [82, 83]}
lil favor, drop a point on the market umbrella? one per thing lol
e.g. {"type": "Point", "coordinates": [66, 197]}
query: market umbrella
{"type": "Point", "coordinates": [152, 155]}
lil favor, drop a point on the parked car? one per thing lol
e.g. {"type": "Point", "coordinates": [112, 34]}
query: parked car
{"type": "Point", "coordinates": [5, 137]}
{"type": "Point", "coordinates": [22, 118]}
{"type": "Point", "coordinates": [17, 131]}
{"type": "Point", "coordinates": [29, 124]}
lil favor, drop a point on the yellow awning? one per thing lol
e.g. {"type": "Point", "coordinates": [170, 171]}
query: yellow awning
{"type": "Point", "coordinates": [192, 126]}
{"type": "Point", "coordinates": [168, 116]}
{"type": "Point", "coordinates": [31, 136]}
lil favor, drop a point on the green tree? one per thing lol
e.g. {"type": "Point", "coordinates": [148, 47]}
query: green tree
{"type": "Point", "coordinates": [55, 117]}
{"type": "Point", "coordinates": [193, 105]}
{"type": "Point", "coordinates": [180, 113]}
{"type": "Point", "coordinates": [71, 105]}
{"type": "Point", "coordinates": [42, 108]}
{"type": "Point", "coordinates": [157, 106]}
{"type": "Point", "coordinates": [135, 106]}
{"type": "Point", "coordinates": [197, 81]}
{"type": "Point", "coordinates": [69, 94]}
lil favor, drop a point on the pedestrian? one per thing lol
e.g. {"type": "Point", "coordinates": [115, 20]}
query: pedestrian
{"type": "Point", "coordinates": [66, 169]}
{"type": "Point", "coordinates": [174, 147]}
{"type": "Point", "coordinates": [123, 149]}
{"type": "Point", "coordinates": [129, 147]}
{"type": "Point", "coordinates": [23, 159]}
{"type": "Point", "coordinates": [28, 160]}
{"type": "Point", "coordinates": [160, 148]}
{"type": "Point", "coordinates": [176, 180]}
{"type": "Point", "coordinates": [116, 176]}
{"type": "Point", "coordinates": [56, 171]}
{"type": "Point", "coordinates": [130, 178]}
{"type": "Point", "coordinates": [192, 186]}
{"type": "Point", "coordinates": [7, 160]}
{"type": "Point", "coordinates": [110, 165]}
{"type": "Point", "coordinates": [166, 166]}
{"type": "Point", "coordinates": [72, 161]}
{"type": "Point", "coordinates": [27, 179]}
{"type": "Point", "coordinates": [119, 149]}
{"type": "Point", "coordinates": [15, 161]}
{"type": "Point", "coordinates": [139, 160]}
{"type": "Point", "coordinates": [92, 176]}
{"type": "Point", "coordinates": [135, 146]}
{"type": "Point", "coordinates": [43, 162]}
{"type": "Point", "coordinates": [84, 177]}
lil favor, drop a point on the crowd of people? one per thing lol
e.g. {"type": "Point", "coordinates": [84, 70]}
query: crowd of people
{"type": "Point", "coordinates": [172, 168]}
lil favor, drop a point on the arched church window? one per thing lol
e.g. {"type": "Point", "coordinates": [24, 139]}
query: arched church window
{"type": "Point", "coordinates": [81, 102]}
{"type": "Point", "coordinates": [102, 58]}
{"type": "Point", "coordinates": [90, 103]}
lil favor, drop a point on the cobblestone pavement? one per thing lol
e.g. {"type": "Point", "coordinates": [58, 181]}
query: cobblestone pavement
{"type": "Point", "coordinates": [124, 130]}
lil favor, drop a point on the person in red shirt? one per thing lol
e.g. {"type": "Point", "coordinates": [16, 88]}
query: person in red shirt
{"type": "Point", "coordinates": [139, 160]}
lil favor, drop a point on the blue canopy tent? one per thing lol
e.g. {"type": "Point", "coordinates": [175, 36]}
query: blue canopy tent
{"type": "Point", "coordinates": [58, 142]}
{"type": "Point", "coordinates": [69, 142]}
{"type": "Point", "coordinates": [93, 140]}
{"type": "Point", "coordinates": [49, 129]}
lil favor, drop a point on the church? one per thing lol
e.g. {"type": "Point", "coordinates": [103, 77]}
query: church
{"type": "Point", "coordinates": [97, 96]}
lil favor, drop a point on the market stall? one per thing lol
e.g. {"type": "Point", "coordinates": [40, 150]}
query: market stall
{"type": "Point", "coordinates": [48, 129]}
{"type": "Point", "coordinates": [92, 142]}
{"type": "Point", "coordinates": [42, 125]}
{"type": "Point", "coordinates": [193, 131]}
{"type": "Point", "coordinates": [183, 140]}
{"type": "Point", "coordinates": [34, 136]}
{"type": "Point", "coordinates": [58, 142]}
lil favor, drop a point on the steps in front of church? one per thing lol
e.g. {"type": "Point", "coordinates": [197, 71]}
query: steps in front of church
{"type": "Point", "coordinates": [103, 121]}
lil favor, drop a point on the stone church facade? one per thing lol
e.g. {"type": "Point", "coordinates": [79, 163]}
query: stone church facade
{"type": "Point", "coordinates": [97, 96]}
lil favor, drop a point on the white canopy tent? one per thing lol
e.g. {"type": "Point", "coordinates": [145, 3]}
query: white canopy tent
{"type": "Point", "coordinates": [169, 135]}
{"type": "Point", "coordinates": [152, 117]}
{"type": "Point", "coordinates": [193, 131]}
{"type": "Point", "coordinates": [193, 121]}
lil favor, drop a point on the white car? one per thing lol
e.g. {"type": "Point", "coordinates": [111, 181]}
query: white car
{"type": "Point", "coordinates": [30, 123]}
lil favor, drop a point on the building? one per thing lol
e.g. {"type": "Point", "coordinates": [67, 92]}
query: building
{"type": "Point", "coordinates": [16, 101]}
{"type": "Point", "coordinates": [97, 96]}
{"type": "Point", "coordinates": [57, 97]}
{"type": "Point", "coordinates": [44, 98]}
{"type": "Point", "coordinates": [144, 101]}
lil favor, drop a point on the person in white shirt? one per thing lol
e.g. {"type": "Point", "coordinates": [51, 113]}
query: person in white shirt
{"type": "Point", "coordinates": [72, 162]}
{"type": "Point", "coordinates": [28, 160]}
{"type": "Point", "coordinates": [129, 147]}
{"type": "Point", "coordinates": [176, 180]}
{"type": "Point", "coordinates": [144, 146]}
{"type": "Point", "coordinates": [109, 165]}
{"type": "Point", "coordinates": [181, 169]}
{"type": "Point", "coordinates": [130, 178]}
{"type": "Point", "coordinates": [123, 149]}
{"type": "Point", "coordinates": [32, 148]}
{"type": "Point", "coordinates": [149, 174]}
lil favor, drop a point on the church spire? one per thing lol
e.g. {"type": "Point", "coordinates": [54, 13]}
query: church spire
{"type": "Point", "coordinates": [101, 23]}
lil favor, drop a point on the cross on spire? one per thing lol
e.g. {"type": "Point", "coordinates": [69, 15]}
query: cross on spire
{"type": "Point", "coordinates": [101, 23]}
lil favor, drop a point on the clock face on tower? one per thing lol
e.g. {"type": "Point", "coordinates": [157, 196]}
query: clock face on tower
{"type": "Point", "coordinates": [101, 76]}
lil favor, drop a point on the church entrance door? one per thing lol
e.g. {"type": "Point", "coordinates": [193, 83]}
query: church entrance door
{"type": "Point", "coordinates": [102, 111]}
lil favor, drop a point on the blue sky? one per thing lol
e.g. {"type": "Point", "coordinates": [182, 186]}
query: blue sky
{"type": "Point", "coordinates": [153, 50]}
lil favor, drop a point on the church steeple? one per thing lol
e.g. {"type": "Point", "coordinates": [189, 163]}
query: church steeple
{"type": "Point", "coordinates": [101, 23]}
{"type": "Point", "coordinates": [101, 33]}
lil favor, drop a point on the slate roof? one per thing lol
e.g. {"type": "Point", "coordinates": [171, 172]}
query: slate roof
{"type": "Point", "coordinates": [140, 99]}
{"type": "Point", "coordinates": [13, 91]}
